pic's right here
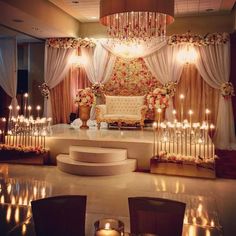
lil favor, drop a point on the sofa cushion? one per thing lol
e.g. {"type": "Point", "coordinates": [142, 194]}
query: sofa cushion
{"type": "Point", "coordinates": [124, 105]}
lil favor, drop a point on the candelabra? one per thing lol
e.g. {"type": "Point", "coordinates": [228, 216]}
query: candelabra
{"type": "Point", "coordinates": [25, 130]}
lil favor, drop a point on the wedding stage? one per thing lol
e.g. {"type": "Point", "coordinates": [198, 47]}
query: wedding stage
{"type": "Point", "coordinates": [94, 146]}
{"type": "Point", "coordinates": [139, 144]}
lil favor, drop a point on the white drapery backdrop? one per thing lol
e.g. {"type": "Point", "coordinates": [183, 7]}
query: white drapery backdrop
{"type": "Point", "coordinates": [99, 64]}
{"type": "Point", "coordinates": [213, 64]}
{"type": "Point", "coordinates": [164, 66]}
{"type": "Point", "coordinates": [8, 70]}
{"type": "Point", "coordinates": [57, 64]}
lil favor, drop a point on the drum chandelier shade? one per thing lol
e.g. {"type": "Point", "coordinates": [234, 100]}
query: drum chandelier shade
{"type": "Point", "coordinates": [136, 19]}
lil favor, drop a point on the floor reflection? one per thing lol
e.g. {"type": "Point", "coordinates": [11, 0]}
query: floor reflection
{"type": "Point", "coordinates": [15, 198]}
{"type": "Point", "coordinates": [201, 216]}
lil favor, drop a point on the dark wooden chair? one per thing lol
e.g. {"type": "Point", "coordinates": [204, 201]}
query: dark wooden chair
{"type": "Point", "coordinates": [156, 216]}
{"type": "Point", "coordinates": [59, 216]}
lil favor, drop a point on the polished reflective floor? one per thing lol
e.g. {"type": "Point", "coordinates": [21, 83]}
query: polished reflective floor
{"type": "Point", "coordinates": [211, 204]}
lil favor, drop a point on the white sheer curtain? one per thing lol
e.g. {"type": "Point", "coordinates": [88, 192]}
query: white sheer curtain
{"type": "Point", "coordinates": [213, 64]}
{"type": "Point", "coordinates": [99, 63]}
{"type": "Point", "coordinates": [164, 66]}
{"type": "Point", "coordinates": [8, 77]}
{"type": "Point", "coordinates": [99, 66]}
{"type": "Point", "coordinates": [57, 64]}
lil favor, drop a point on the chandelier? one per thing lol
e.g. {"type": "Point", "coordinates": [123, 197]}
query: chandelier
{"type": "Point", "coordinates": [136, 19]}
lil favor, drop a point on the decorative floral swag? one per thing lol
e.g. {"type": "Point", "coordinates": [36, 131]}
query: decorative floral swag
{"type": "Point", "coordinates": [45, 91]}
{"type": "Point", "coordinates": [198, 40]}
{"type": "Point", "coordinates": [70, 43]}
{"type": "Point", "coordinates": [227, 90]}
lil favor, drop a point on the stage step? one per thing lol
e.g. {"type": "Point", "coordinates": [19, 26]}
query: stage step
{"type": "Point", "coordinates": [66, 164]}
{"type": "Point", "coordinates": [97, 154]}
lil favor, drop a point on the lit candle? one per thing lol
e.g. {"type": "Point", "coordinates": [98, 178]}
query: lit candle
{"type": "Point", "coordinates": [181, 107]}
{"type": "Point", "coordinates": [154, 126]}
{"type": "Point", "coordinates": [38, 108]}
{"type": "Point", "coordinates": [25, 102]}
{"type": "Point", "coordinates": [107, 231]}
{"type": "Point", "coordinates": [207, 112]}
{"type": "Point", "coordinates": [190, 112]}
{"type": "Point", "coordinates": [29, 110]}
{"type": "Point", "coordinates": [10, 112]}
{"type": "Point", "coordinates": [18, 109]}
{"type": "Point", "coordinates": [174, 114]}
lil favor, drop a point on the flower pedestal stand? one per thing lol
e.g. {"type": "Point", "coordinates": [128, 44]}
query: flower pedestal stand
{"type": "Point", "coordinates": [178, 168]}
{"type": "Point", "coordinates": [84, 115]}
{"type": "Point", "coordinates": [31, 158]}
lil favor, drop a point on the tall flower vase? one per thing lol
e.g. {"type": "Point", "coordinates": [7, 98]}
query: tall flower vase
{"type": "Point", "coordinates": [84, 115]}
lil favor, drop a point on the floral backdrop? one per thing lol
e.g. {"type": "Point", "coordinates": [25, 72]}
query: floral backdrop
{"type": "Point", "coordinates": [130, 78]}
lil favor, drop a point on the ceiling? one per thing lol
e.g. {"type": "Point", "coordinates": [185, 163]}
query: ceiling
{"type": "Point", "coordinates": [62, 16]}
{"type": "Point", "coordinates": [88, 10]}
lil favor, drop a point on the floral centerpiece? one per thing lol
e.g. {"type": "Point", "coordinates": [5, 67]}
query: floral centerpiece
{"type": "Point", "coordinates": [85, 97]}
{"type": "Point", "coordinates": [227, 90]}
{"type": "Point", "coordinates": [158, 98]}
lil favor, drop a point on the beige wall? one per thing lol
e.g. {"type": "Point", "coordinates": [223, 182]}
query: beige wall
{"type": "Point", "coordinates": [198, 24]}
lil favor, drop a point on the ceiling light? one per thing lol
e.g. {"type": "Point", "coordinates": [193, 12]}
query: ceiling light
{"type": "Point", "coordinates": [136, 19]}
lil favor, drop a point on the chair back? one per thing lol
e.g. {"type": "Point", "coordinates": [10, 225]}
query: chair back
{"type": "Point", "coordinates": [156, 216]}
{"type": "Point", "coordinates": [60, 215]}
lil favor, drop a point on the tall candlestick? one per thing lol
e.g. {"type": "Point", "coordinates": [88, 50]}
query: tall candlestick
{"type": "Point", "coordinates": [38, 108]}
{"type": "Point", "coordinates": [154, 126]}
{"type": "Point", "coordinates": [181, 107]}
{"type": "Point", "coordinates": [190, 112]}
{"type": "Point", "coordinates": [207, 112]}
{"type": "Point", "coordinates": [25, 102]}
{"type": "Point", "coordinates": [174, 114]}
{"type": "Point", "coordinates": [29, 110]}
{"type": "Point", "coordinates": [18, 109]}
{"type": "Point", "coordinates": [10, 112]}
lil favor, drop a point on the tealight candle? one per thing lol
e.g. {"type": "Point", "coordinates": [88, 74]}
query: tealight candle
{"type": "Point", "coordinates": [109, 227]}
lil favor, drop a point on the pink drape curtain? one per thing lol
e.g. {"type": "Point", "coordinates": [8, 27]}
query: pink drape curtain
{"type": "Point", "coordinates": [62, 96]}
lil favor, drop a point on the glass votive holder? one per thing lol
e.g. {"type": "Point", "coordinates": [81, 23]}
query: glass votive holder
{"type": "Point", "coordinates": [109, 227]}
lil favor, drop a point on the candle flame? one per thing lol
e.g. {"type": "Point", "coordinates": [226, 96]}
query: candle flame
{"type": "Point", "coordinates": [208, 111]}
{"type": "Point", "coordinates": [107, 226]}
{"type": "Point", "coordinates": [181, 96]}
{"type": "Point", "coordinates": [154, 125]}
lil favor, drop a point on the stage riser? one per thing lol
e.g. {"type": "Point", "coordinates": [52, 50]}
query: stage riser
{"type": "Point", "coordinates": [140, 151]}
{"type": "Point", "coordinates": [97, 155]}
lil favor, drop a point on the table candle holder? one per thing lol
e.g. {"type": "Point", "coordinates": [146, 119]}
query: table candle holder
{"type": "Point", "coordinates": [109, 227]}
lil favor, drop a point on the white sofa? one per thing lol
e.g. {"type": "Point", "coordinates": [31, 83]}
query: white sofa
{"type": "Point", "coordinates": [123, 110]}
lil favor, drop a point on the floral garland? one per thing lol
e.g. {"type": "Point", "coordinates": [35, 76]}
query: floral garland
{"type": "Point", "coordinates": [170, 88]}
{"type": "Point", "coordinates": [198, 40]}
{"type": "Point", "coordinates": [158, 98]}
{"type": "Point", "coordinates": [227, 90]}
{"type": "Point", "coordinates": [85, 97]}
{"type": "Point", "coordinates": [45, 91]}
{"type": "Point", "coordinates": [70, 43]}
{"type": "Point", "coordinates": [180, 159]}
{"type": "Point", "coordinates": [97, 89]}
{"type": "Point", "coordinates": [23, 149]}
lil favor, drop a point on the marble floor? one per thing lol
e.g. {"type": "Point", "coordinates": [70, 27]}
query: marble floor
{"type": "Point", "coordinates": [211, 204]}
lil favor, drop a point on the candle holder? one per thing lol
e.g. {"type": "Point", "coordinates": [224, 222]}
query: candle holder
{"type": "Point", "coordinates": [109, 227]}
